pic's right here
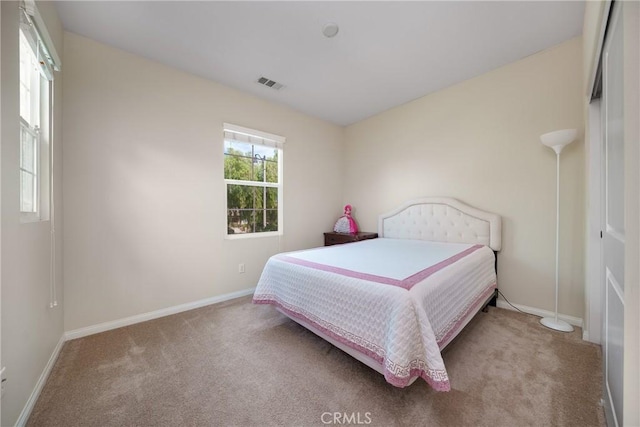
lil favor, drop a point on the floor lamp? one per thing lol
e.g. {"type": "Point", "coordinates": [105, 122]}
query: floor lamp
{"type": "Point", "coordinates": [557, 140]}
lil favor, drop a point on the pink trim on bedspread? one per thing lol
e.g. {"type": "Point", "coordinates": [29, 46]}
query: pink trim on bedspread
{"type": "Point", "coordinates": [438, 379]}
{"type": "Point", "coordinates": [407, 283]}
{"type": "Point", "coordinates": [461, 320]}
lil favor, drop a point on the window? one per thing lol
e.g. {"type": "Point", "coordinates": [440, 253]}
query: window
{"type": "Point", "coordinates": [36, 72]}
{"type": "Point", "coordinates": [253, 179]}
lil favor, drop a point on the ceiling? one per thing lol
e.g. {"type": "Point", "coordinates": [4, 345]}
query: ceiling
{"type": "Point", "coordinates": [386, 53]}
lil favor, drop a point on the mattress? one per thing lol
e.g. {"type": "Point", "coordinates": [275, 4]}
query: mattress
{"type": "Point", "coordinates": [396, 301]}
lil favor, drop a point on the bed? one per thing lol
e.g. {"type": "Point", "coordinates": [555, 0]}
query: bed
{"type": "Point", "coordinates": [394, 302]}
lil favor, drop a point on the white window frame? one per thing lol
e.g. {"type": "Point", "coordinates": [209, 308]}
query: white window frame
{"type": "Point", "coordinates": [269, 140]}
{"type": "Point", "coordinates": [39, 123]}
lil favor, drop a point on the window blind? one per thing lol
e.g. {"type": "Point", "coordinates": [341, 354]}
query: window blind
{"type": "Point", "coordinates": [250, 136]}
{"type": "Point", "coordinates": [38, 38]}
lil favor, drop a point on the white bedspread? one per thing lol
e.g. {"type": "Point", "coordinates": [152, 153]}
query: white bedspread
{"type": "Point", "coordinates": [397, 301]}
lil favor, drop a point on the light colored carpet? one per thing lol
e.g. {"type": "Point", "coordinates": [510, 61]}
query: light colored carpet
{"type": "Point", "coordinates": [241, 364]}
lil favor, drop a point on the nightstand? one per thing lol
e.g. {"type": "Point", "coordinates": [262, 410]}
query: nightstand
{"type": "Point", "coordinates": [334, 238]}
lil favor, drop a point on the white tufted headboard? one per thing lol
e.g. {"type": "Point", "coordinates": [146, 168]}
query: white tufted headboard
{"type": "Point", "coordinates": [442, 219]}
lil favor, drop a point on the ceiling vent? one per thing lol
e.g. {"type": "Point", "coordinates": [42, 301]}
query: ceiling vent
{"type": "Point", "coordinates": [270, 83]}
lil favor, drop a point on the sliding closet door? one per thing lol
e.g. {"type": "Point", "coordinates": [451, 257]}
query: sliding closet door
{"type": "Point", "coordinates": [613, 228]}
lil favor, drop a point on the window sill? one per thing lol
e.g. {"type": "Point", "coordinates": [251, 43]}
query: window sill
{"type": "Point", "coordinates": [27, 218]}
{"type": "Point", "coordinates": [252, 235]}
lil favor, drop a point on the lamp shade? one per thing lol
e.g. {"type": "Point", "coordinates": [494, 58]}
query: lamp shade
{"type": "Point", "coordinates": [559, 139]}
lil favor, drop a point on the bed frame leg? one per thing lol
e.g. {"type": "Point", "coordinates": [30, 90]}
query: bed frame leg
{"type": "Point", "coordinates": [492, 302]}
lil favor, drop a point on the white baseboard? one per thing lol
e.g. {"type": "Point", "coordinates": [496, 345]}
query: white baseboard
{"type": "Point", "coordinates": [35, 394]}
{"type": "Point", "coordinates": [575, 321]}
{"type": "Point", "coordinates": [82, 332]}
{"type": "Point", "coordinates": [114, 324]}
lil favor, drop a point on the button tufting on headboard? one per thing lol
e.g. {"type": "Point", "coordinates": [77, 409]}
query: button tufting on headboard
{"type": "Point", "coordinates": [442, 220]}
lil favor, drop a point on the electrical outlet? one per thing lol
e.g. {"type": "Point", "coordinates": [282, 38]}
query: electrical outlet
{"type": "Point", "coordinates": [241, 268]}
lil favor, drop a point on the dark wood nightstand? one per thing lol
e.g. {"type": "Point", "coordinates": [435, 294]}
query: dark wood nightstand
{"type": "Point", "coordinates": [334, 238]}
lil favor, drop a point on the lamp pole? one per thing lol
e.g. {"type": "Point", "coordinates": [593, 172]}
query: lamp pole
{"type": "Point", "coordinates": [557, 229]}
{"type": "Point", "coordinates": [557, 141]}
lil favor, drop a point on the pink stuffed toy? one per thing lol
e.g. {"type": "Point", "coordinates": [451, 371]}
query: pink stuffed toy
{"type": "Point", "coordinates": [346, 224]}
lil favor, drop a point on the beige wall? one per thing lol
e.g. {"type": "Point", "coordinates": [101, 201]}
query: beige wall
{"type": "Point", "coordinates": [30, 329]}
{"type": "Point", "coordinates": [478, 141]}
{"type": "Point", "coordinates": [144, 191]}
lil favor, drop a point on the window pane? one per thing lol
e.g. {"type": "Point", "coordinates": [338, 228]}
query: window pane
{"type": "Point", "coordinates": [272, 198]}
{"type": "Point", "coordinates": [240, 196]}
{"type": "Point", "coordinates": [25, 78]}
{"type": "Point", "coordinates": [237, 160]}
{"type": "Point", "coordinates": [266, 164]}
{"type": "Point", "coordinates": [258, 197]}
{"type": "Point", "coordinates": [267, 220]}
{"type": "Point", "coordinates": [240, 209]}
{"type": "Point", "coordinates": [245, 213]}
{"type": "Point", "coordinates": [266, 167]}
{"type": "Point", "coordinates": [27, 199]}
{"type": "Point", "coordinates": [29, 83]}
{"type": "Point", "coordinates": [240, 221]}
{"type": "Point", "coordinates": [236, 147]}
{"type": "Point", "coordinates": [249, 162]}
{"type": "Point", "coordinates": [25, 101]}
{"type": "Point", "coordinates": [27, 151]}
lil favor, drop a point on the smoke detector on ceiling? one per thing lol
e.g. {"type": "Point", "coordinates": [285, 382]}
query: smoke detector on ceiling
{"type": "Point", "coordinates": [270, 83]}
{"type": "Point", "coordinates": [330, 29]}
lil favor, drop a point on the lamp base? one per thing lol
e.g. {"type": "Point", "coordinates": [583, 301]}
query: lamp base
{"type": "Point", "coordinates": [558, 325]}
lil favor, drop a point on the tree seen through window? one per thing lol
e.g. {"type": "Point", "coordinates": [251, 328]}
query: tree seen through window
{"type": "Point", "coordinates": [251, 172]}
